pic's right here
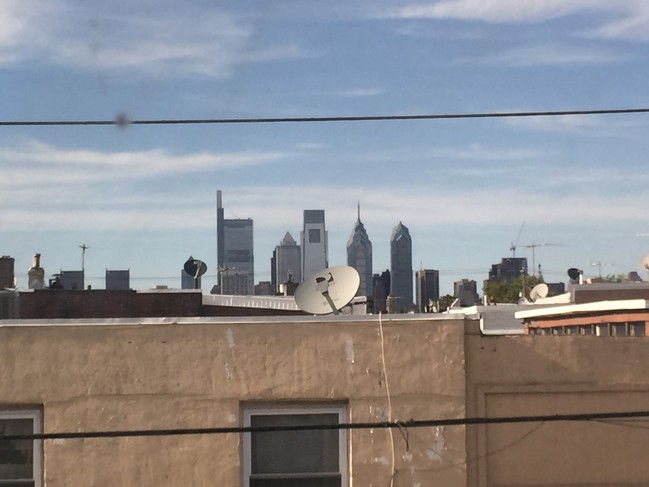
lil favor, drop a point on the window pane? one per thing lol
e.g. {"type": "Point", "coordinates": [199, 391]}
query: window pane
{"type": "Point", "coordinates": [618, 329]}
{"type": "Point", "coordinates": [16, 456]}
{"type": "Point", "coordinates": [294, 451]}
{"type": "Point", "coordinates": [314, 235]}
{"type": "Point", "coordinates": [637, 328]}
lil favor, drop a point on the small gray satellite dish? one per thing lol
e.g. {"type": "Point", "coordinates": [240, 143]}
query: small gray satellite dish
{"type": "Point", "coordinates": [195, 267]}
{"type": "Point", "coordinates": [328, 290]}
{"type": "Point", "coordinates": [574, 273]}
{"type": "Point", "coordinates": [539, 291]}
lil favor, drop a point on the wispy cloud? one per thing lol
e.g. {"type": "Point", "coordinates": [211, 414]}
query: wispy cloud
{"type": "Point", "coordinates": [627, 20]}
{"type": "Point", "coordinates": [144, 38]}
{"type": "Point", "coordinates": [547, 55]}
{"type": "Point", "coordinates": [497, 11]}
{"type": "Point", "coordinates": [43, 166]}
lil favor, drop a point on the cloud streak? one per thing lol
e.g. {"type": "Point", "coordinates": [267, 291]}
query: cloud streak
{"type": "Point", "coordinates": [144, 39]}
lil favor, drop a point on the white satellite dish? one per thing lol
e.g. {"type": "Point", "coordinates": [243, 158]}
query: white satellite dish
{"type": "Point", "coordinates": [645, 261]}
{"type": "Point", "coordinates": [328, 290]}
{"type": "Point", "coordinates": [539, 291]}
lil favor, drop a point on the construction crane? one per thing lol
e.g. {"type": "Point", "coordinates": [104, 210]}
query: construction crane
{"type": "Point", "coordinates": [513, 245]}
{"type": "Point", "coordinates": [533, 246]}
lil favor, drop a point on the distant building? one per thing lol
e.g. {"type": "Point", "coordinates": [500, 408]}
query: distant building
{"type": "Point", "coordinates": [286, 262]}
{"type": "Point", "coordinates": [509, 268]}
{"type": "Point", "coordinates": [235, 282]}
{"type": "Point", "coordinates": [118, 280]}
{"type": "Point", "coordinates": [314, 243]}
{"type": "Point", "coordinates": [427, 288]}
{"type": "Point", "coordinates": [359, 256]}
{"type": "Point", "coordinates": [186, 281]}
{"type": "Point", "coordinates": [466, 290]}
{"type": "Point", "coordinates": [401, 267]}
{"type": "Point", "coordinates": [381, 291]}
{"type": "Point", "coordinates": [235, 255]}
{"type": "Point", "coordinates": [6, 271]}
{"type": "Point", "coordinates": [264, 288]}
{"type": "Point", "coordinates": [71, 280]}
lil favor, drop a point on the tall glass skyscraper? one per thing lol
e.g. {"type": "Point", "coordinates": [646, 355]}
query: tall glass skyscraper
{"type": "Point", "coordinates": [287, 260]}
{"type": "Point", "coordinates": [314, 243]}
{"type": "Point", "coordinates": [401, 267]}
{"type": "Point", "coordinates": [235, 256]}
{"type": "Point", "coordinates": [359, 256]}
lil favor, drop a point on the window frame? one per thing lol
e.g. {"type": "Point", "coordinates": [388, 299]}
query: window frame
{"type": "Point", "coordinates": [36, 415]}
{"type": "Point", "coordinates": [249, 411]}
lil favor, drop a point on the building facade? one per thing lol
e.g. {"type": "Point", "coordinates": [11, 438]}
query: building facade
{"type": "Point", "coordinates": [359, 256]}
{"type": "Point", "coordinates": [235, 252]}
{"type": "Point", "coordinates": [426, 289]}
{"type": "Point", "coordinates": [286, 264]}
{"type": "Point", "coordinates": [401, 267]}
{"type": "Point", "coordinates": [220, 376]}
{"type": "Point", "coordinates": [315, 255]}
{"type": "Point", "coordinates": [466, 290]}
{"type": "Point", "coordinates": [509, 268]}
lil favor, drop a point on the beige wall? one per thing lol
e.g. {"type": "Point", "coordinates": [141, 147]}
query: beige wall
{"type": "Point", "coordinates": [200, 373]}
{"type": "Point", "coordinates": [530, 375]}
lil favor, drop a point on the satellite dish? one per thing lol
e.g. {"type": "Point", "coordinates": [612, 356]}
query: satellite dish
{"type": "Point", "coordinates": [539, 291]}
{"type": "Point", "coordinates": [328, 290]}
{"type": "Point", "coordinates": [645, 261]}
{"type": "Point", "coordinates": [195, 268]}
{"type": "Point", "coordinates": [574, 273]}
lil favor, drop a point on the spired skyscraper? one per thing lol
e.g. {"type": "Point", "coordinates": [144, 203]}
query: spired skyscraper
{"type": "Point", "coordinates": [314, 243]}
{"type": "Point", "coordinates": [401, 267]}
{"type": "Point", "coordinates": [235, 257]}
{"type": "Point", "coordinates": [359, 256]}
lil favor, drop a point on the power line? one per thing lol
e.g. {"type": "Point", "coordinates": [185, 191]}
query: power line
{"type": "Point", "coordinates": [123, 122]}
{"type": "Point", "coordinates": [411, 423]}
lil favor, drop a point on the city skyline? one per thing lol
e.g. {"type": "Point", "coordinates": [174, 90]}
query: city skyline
{"type": "Point", "coordinates": [140, 196]}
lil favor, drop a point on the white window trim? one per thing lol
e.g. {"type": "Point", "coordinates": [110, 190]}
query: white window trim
{"type": "Point", "coordinates": [292, 408]}
{"type": "Point", "coordinates": [36, 416]}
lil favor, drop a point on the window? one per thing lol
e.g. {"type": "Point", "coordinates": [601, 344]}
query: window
{"type": "Point", "coordinates": [314, 235]}
{"type": "Point", "coordinates": [307, 458]}
{"type": "Point", "coordinates": [637, 328]}
{"type": "Point", "coordinates": [618, 329]}
{"type": "Point", "coordinates": [20, 460]}
{"type": "Point", "coordinates": [601, 330]}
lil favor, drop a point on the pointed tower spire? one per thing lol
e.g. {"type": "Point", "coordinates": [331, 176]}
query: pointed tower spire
{"type": "Point", "coordinates": [359, 211]}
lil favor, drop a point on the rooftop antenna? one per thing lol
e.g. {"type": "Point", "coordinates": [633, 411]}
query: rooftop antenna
{"type": "Point", "coordinates": [328, 291]}
{"type": "Point", "coordinates": [83, 248]}
{"type": "Point", "coordinates": [599, 267]}
{"type": "Point", "coordinates": [513, 245]}
{"type": "Point", "coordinates": [533, 246]}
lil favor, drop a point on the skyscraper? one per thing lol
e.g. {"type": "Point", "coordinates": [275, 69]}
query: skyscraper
{"type": "Point", "coordinates": [427, 288]}
{"type": "Point", "coordinates": [401, 267]}
{"type": "Point", "coordinates": [235, 257]}
{"type": "Point", "coordinates": [359, 256]}
{"type": "Point", "coordinates": [287, 260]}
{"type": "Point", "coordinates": [314, 243]}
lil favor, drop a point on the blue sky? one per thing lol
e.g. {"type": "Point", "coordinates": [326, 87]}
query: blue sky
{"type": "Point", "coordinates": [143, 197]}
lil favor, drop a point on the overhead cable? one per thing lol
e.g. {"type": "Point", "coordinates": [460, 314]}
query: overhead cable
{"type": "Point", "coordinates": [411, 423]}
{"type": "Point", "coordinates": [122, 121]}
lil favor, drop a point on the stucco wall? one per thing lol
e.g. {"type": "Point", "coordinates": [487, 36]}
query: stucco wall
{"type": "Point", "coordinates": [530, 375]}
{"type": "Point", "coordinates": [201, 372]}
